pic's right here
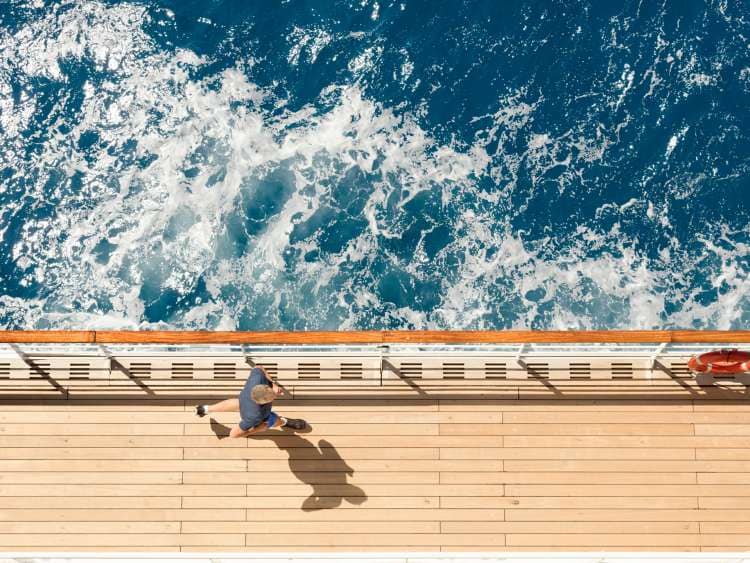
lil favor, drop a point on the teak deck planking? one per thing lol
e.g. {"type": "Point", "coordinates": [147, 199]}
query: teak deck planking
{"type": "Point", "coordinates": [374, 474]}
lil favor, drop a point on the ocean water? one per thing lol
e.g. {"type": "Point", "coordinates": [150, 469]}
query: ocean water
{"type": "Point", "coordinates": [374, 164]}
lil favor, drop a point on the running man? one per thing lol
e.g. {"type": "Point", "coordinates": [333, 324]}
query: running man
{"type": "Point", "coordinates": [254, 405]}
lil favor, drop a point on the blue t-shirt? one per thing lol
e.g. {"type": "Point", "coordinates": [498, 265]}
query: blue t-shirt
{"type": "Point", "coordinates": [251, 412]}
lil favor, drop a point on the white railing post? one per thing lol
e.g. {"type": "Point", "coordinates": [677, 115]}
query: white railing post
{"type": "Point", "coordinates": [519, 354]}
{"type": "Point", "coordinates": [383, 350]}
{"type": "Point", "coordinates": [108, 355]}
{"type": "Point", "coordinates": [654, 357]}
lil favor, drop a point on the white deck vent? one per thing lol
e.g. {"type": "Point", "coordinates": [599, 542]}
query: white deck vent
{"type": "Point", "coordinates": [495, 370]}
{"type": "Point", "coordinates": [225, 370]}
{"type": "Point", "coordinates": [622, 370]}
{"type": "Point", "coordinates": [308, 370]}
{"type": "Point", "coordinates": [350, 370]}
{"type": "Point", "coordinates": [80, 370]}
{"type": "Point", "coordinates": [453, 370]}
{"type": "Point", "coordinates": [411, 370]}
{"type": "Point", "coordinates": [140, 370]}
{"type": "Point", "coordinates": [182, 370]}
{"type": "Point", "coordinates": [580, 370]}
{"type": "Point", "coordinates": [537, 370]}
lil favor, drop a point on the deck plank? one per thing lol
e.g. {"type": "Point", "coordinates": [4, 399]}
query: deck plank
{"type": "Point", "coordinates": [408, 474]}
{"type": "Point", "coordinates": [261, 503]}
{"type": "Point", "coordinates": [115, 515]}
{"type": "Point", "coordinates": [547, 502]}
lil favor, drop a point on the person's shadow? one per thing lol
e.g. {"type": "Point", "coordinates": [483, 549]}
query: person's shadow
{"type": "Point", "coordinates": [307, 462]}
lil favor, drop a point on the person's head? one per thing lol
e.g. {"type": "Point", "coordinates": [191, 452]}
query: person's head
{"type": "Point", "coordinates": [262, 394]}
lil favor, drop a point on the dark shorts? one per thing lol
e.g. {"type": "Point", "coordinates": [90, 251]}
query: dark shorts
{"type": "Point", "coordinates": [272, 418]}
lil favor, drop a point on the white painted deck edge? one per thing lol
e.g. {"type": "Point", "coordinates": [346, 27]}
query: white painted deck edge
{"type": "Point", "coordinates": [412, 557]}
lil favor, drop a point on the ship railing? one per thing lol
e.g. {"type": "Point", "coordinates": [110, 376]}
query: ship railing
{"type": "Point", "coordinates": [518, 351]}
{"type": "Point", "coordinates": [152, 363]}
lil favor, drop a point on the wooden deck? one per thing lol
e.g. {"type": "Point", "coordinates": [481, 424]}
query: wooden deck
{"type": "Point", "coordinates": [615, 466]}
{"type": "Point", "coordinates": [101, 451]}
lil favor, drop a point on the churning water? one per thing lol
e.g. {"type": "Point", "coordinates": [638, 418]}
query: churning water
{"type": "Point", "coordinates": [374, 164]}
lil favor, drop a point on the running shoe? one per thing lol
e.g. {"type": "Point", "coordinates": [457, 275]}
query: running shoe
{"type": "Point", "coordinates": [295, 424]}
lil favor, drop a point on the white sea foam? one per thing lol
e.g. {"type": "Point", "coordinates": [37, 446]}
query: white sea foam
{"type": "Point", "coordinates": [365, 61]}
{"type": "Point", "coordinates": [306, 44]}
{"type": "Point", "coordinates": [674, 139]}
{"type": "Point", "coordinates": [579, 291]}
{"type": "Point", "coordinates": [134, 231]}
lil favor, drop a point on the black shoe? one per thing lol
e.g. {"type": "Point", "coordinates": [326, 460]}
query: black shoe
{"type": "Point", "coordinates": [200, 410]}
{"type": "Point", "coordinates": [295, 424]}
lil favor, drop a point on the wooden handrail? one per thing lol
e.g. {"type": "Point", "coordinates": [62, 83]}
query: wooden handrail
{"type": "Point", "coordinates": [375, 337]}
{"type": "Point", "coordinates": [47, 336]}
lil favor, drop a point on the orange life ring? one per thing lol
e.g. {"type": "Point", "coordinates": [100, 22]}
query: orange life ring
{"type": "Point", "coordinates": [721, 361]}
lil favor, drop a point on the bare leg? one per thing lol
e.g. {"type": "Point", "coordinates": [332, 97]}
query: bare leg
{"type": "Point", "coordinates": [227, 405]}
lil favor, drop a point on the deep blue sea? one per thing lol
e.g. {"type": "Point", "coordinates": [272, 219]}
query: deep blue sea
{"type": "Point", "coordinates": [249, 164]}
